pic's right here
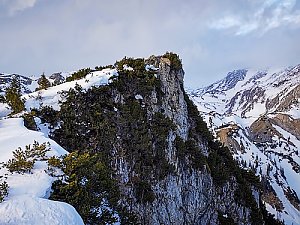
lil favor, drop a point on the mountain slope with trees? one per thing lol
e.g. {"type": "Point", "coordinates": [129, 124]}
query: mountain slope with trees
{"type": "Point", "coordinates": [140, 153]}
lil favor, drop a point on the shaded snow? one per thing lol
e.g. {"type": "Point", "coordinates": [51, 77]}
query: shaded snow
{"type": "Point", "coordinates": [25, 203]}
{"type": "Point", "coordinates": [26, 210]}
{"type": "Point", "coordinates": [126, 67]}
{"type": "Point", "coordinates": [150, 67]}
{"type": "Point", "coordinates": [294, 112]}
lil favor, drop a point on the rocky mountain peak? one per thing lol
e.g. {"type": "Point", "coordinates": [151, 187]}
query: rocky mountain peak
{"type": "Point", "coordinates": [221, 86]}
{"type": "Point", "coordinates": [258, 120]}
{"type": "Point", "coordinates": [233, 78]}
{"type": "Point", "coordinates": [6, 79]}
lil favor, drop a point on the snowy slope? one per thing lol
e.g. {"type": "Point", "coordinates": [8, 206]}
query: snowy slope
{"type": "Point", "coordinates": [51, 96]}
{"type": "Point", "coordinates": [27, 201]}
{"type": "Point", "coordinates": [256, 114]}
{"type": "Point", "coordinates": [26, 210]}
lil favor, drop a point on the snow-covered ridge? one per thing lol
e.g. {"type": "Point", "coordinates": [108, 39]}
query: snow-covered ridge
{"type": "Point", "coordinates": [256, 114]}
{"type": "Point", "coordinates": [239, 95]}
{"type": "Point", "coordinates": [27, 201]}
{"type": "Point", "coordinates": [225, 84]}
{"type": "Point", "coordinates": [51, 96]}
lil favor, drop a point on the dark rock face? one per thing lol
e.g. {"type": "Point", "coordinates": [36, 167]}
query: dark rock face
{"type": "Point", "coordinates": [229, 82]}
{"type": "Point", "coordinates": [57, 78]}
{"type": "Point", "coordinates": [233, 78]}
{"type": "Point", "coordinates": [5, 80]}
{"type": "Point", "coordinates": [186, 195]}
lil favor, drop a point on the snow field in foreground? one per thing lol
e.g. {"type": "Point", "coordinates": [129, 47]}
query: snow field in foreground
{"type": "Point", "coordinates": [26, 203]}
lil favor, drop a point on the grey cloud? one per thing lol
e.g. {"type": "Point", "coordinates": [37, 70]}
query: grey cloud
{"type": "Point", "coordinates": [14, 6]}
{"type": "Point", "coordinates": [57, 35]}
{"type": "Point", "coordinates": [265, 16]}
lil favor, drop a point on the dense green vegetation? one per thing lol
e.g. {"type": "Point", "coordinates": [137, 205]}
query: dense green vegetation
{"type": "Point", "coordinates": [99, 68]}
{"type": "Point", "coordinates": [79, 74]}
{"type": "Point", "coordinates": [43, 83]}
{"type": "Point", "coordinates": [174, 59]}
{"type": "Point", "coordinates": [47, 115]}
{"type": "Point", "coordinates": [23, 160]}
{"type": "Point", "coordinates": [87, 185]}
{"type": "Point", "coordinates": [139, 78]}
{"type": "Point", "coordinates": [13, 96]}
{"type": "Point", "coordinates": [189, 153]}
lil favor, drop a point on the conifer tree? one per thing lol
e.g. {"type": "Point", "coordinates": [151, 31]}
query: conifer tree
{"type": "Point", "coordinates": [3, 190]}
{"type": "Point", "coordinates": [43, 82]}
{"type": "Point", "coordinates": [13, 96]}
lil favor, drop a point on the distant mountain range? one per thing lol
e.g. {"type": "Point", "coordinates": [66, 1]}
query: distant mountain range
{"type": "Point", "coordinates": [257, 115]}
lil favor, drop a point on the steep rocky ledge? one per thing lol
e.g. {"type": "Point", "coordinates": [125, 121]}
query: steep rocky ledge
{"type": "Point", "coordinates": [166, 164]}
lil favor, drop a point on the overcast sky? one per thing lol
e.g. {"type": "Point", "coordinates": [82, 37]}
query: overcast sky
{"type": "Point", "coordinates": [211, 36]}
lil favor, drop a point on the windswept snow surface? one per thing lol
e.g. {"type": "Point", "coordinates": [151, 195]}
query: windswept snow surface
{"type": "Point", "coordinates": [26, 203]}
{"type": "Point", "coordinates": [26, 210]}
{"type": "Point", "coordinates": [51, 96]}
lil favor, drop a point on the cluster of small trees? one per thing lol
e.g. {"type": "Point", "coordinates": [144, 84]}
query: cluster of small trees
{"type": "Point", "coordinates": [23, 160]}
{"type": "Point", "coordinates": [79, 74]}
{"type": "Point", "coordinates": [43, 82]}
{"type": "Point", "coordinates": [87, 185]}
{"type": "Point", "coordinates": [174, 59]}
{"type": "Point", "coordinates": [13, 96]}
{"type": "Point", "coordinates": [13, 93]}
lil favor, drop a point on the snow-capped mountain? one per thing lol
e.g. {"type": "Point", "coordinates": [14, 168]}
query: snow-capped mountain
{"type": "Point", "coordinates": [26, 82]}
{"type": "Point", "coordinates": [257, 115]}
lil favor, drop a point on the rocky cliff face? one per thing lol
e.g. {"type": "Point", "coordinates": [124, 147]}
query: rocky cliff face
{"type": "Point", "coordinates": [169, 169]}
{"type": "Point", "coordinates": [185, 195]}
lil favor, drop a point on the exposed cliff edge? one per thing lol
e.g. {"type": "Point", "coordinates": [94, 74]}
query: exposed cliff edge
{"type": "Point", "coordinates": [167, 166]}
